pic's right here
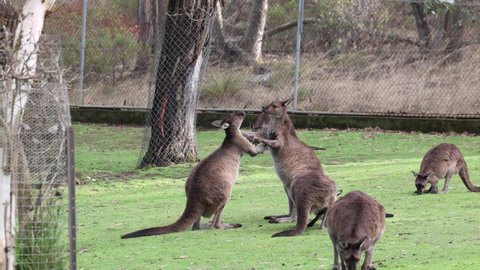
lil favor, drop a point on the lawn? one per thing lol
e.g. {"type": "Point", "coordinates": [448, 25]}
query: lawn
{"type": "Point", "coordinates": [428, 232]}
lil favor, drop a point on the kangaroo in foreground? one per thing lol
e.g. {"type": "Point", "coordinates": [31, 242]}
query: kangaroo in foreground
{"type": "Point", "coordinates": [355, 223]}
{"type": "Point", "coordinates": [210, 183]}
{"type": "Point", "coordinates": [442, 161]}
{"type": "Point", "coordinates": [297, 166]}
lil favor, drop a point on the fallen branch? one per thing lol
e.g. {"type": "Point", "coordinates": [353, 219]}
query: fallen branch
{"type": "Point", "coordinates": [286, 26]}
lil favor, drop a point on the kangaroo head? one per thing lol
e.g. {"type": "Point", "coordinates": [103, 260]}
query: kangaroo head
{"type": "Point", "coordinates": [421, 181]}
{"type": "Point", "coordinates": [350, 252]}
{"type": "Point", "coordinates": [231, 122]}
{"type": "Point", "coordinates": [277, 108]}
{"type": "Point", "coordinates": [261, 120]}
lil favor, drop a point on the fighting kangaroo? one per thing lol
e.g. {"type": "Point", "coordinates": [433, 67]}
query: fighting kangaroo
{"type": "Point", "coordinates": [209, 186]}
{"type": "Point", "coordinates": [442, 161]}
{"type": "Point", "coordinates": [355, 223]}
{"type": "Point", "coordinates": [297, 166]}
{"type": "Point", "coordinates": [262, 128]}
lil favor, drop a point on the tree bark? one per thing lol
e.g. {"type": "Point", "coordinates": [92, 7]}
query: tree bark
{"type": "Point", "coordinates": [148, 19]}
{"type": "Point", "coordinates": [454, 32]}
{"type": "Point", "coordinates": [253, 38]}
{"type": "Point", "coordinates": [24, 62]}
{"type": "Point", "coordinates": [422, 25]}
{"type": "Point", "coordinates": [182, 62]}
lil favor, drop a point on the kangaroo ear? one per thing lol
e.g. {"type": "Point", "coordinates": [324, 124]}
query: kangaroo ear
{"type": "Point", "coordinates": [225, 125]}
{"type": "Point", "coordinates": [415, 174]}
{"type": "Point", "coordinates": [342, 245]}
{"type": "Point", "coordinates": [286, 102]}
{"type": "Point", "coordinates": [217, 123]}
{"type": "Point", "coordinates": [428, 174]}
{"type": "Point", "coordinates": [360, 242]}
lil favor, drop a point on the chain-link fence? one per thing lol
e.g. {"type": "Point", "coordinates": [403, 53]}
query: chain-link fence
{"type": "Point", "coordinates": [357, 56]}
{"type": "Point", "coordinates": [37, 164]}
{"type": "Point", "coordinates": [41, 186]}
{"type": "Point", "coordinates": [34, 118]}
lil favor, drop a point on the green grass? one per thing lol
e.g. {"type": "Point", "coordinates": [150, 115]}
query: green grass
{"type": "Point", "coordinates": [427, 232]}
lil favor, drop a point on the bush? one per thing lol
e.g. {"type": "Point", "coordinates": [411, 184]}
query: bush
{"type": "Point", "coordinates": [221, 87]}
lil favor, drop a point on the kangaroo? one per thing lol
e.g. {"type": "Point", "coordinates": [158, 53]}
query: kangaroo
{"type": "Point", "coordinates": [297, 166]}
{"type": "Point", "coordinates": [442, 161]}
{"type": "Point", "coordinates": [209, 185]}
{"type": "Point", "coordinates": [264, 130]}
{"type": "Point", "coordinates": [354, 223]}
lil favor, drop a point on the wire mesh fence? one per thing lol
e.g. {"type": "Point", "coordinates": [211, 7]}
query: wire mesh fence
{"type": "Point", "coordinates": [36, 162]}
{"type": "Point", "coordinates": [33, 148]}
{"type": "Point", "coordinates": [179, 69]}
{"type": "Point", "coordinates": [41, 185]}
{"type": "Point", "coordinates": [357, 56]}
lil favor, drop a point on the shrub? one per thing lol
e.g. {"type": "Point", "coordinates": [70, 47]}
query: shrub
{"type": "Point", "coordinates": [221, 86]}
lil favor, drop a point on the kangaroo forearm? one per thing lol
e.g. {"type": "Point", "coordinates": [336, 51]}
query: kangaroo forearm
{"type": "Point", "coordinates": [275, 144]}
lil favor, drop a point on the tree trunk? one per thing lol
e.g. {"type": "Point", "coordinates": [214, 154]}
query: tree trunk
{"type": "Point", "coordinates": [252, 40]}
{"type": "Point", "coordinates": [27, 35]}
{"type": "Point", "coordinates": [148, 19]}
{"type": "Point", "coordinates": [145, 34]}
{"type": "Point", "coordinates": [422, 25]}
{"type": "Point", "coordinates": [183, 58]}
{"type": "Point", "coordinates": [454, 32]}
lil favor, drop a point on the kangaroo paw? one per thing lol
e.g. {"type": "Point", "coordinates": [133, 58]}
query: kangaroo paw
{"type": "Point", "coordinates": [276, 216]}
{"type": "Point", "coordinates": [282, 220]}
{"type": "Point", "coordinates": [226, 226]}
{"type": "Point", "coordinates": [286, 233]}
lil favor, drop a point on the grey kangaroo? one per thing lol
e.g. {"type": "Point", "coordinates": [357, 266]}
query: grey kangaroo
{"type": "Point", "coordinates": [355, 223]}
{"type": "Point", "coordinates": [261, 126]}
{"type": "Point", "coordinates": [209, 186]}
{"type": "Point", "coordinates": [297, 166]}
{"type": "Point", "coordinates": [442, 161]}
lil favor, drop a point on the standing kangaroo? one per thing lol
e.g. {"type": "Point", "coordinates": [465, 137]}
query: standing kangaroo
{"type": "Point", "coordinates": [442, 161]}
{"type": "Point", "coordinates": [209, 185]}
{"type": "Point", "coordinates": [262, 128]}
{"type": "Point", "coordinates": [355, 223]}
{"type": "Point", "coordinates": [297, 166]}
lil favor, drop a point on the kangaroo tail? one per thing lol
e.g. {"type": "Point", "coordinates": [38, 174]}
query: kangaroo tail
{"type": "Point", "coordinates": [463, 172]}
{"type": "Point", "coordinates": [189, 216]}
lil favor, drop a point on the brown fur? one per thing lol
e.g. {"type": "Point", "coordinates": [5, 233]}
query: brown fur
{"type": "Point", "coordinates": [297, 166]}
{"type": "Point", "coordinates": [209, 186]}
{"type": "Point", "coordinates": [262, 128]}
{"type": "Point", "coordinates": [355, 223]}
{"type": "Point", "coordinates": [442, 161]}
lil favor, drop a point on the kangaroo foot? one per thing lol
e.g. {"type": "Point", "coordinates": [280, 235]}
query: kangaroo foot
{"type": "Point", "coordinates": [286, 233]}
{"type": "Point", "coordinates": [225, 226]}
{"type": "Point", "coordinates": [277, 216]}
{"type": "Point", "coordinates": [203, 226]}
{"type": "Point", "coordinates": [282, 219]}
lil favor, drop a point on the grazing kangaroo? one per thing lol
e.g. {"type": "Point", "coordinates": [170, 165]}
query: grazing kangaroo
{"type": "Point", "coordinates": [297, 166]}
{"type": "Point", "coordinates": [209, 185]}
{"type": "Point", "coordinates": [442, 161]}
{"type": "Point", "coordinates": [355, 223]}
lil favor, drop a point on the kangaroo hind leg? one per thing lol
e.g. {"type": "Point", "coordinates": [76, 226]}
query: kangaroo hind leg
{"type": "Point", "coordinates": [217, 223]}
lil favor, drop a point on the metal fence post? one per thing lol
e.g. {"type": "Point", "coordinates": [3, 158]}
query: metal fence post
{"type": "Point", "coordinates": [72, 221]}
{"type": "Point", "coordinates": [82, 52]}
{"type": "Point", "coordinates": [297, 52]}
